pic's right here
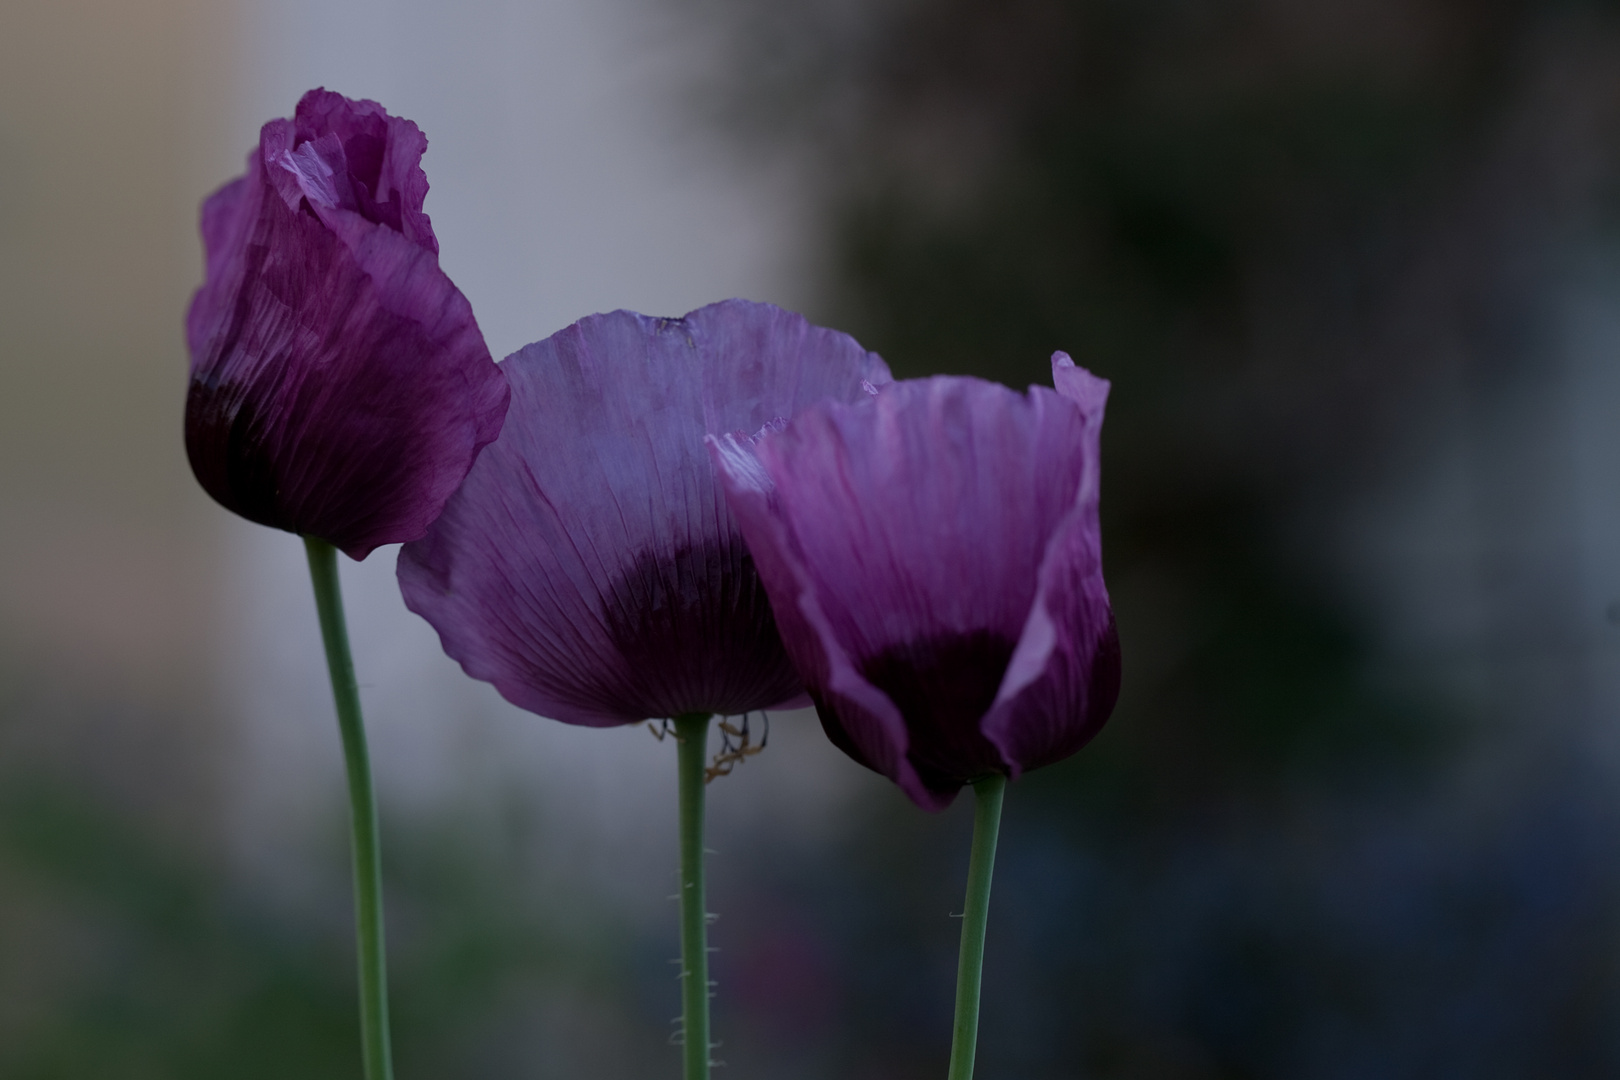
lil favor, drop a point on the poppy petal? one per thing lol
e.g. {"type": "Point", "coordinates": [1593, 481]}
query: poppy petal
{"type": "Point", "coordinates": [589, 567]}
{"type": "Point", "coordinates": [919, 549]}
{"type": "Point", "coordinates": [1064, 676]}
{"type": "Point", "coordinates": [340, 386]}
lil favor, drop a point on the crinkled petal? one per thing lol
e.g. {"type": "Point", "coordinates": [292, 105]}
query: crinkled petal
{"type": "Point", "coordinates": [927, 509]}
{"type": "Point", "coordinates": [858, 718]}
{"type": "Point", "coordinates": [225, 229]}
{"type": "Point", "coordinates": [1064, 676]}
{"type": "Point", "coordinates": [589, 567]}
{"type": "Point", "coordinates": [915, 526]}
{"type": "Point", "coordinates": [317, 172]}
{"type": "Point", "coordinates": [382, 157]}
{"type": "Point", "coordinates": [340, 386]}
{"type": "Point", "coordinates": [1067, 666]}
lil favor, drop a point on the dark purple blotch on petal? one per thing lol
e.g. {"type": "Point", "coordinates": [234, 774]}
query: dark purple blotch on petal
{"type": "Point", "coordinates": [589, 567]}
{"type": "Point", "coordinates": [697, 631]}
{"type": "Point", "coordinates": [943, 686]}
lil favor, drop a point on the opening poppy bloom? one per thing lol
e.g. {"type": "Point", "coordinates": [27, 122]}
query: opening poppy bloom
{"type": "Point", "coordinates": [340, 387]}
{"type": "Point", "coordinates": [934, 561]}
{"type": "Point", "coordinates": [588, 567]}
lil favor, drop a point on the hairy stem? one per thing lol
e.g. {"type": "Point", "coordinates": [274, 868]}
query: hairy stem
{"type": "Point", "coordinates": [970, 962]}
{"type": "Point", "coordinates": [692, 735]}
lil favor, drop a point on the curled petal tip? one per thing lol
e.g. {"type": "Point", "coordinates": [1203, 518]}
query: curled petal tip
{"type": "Point", "coordinates": [1077, 384]}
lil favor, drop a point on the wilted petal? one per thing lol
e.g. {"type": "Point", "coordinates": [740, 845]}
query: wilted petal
{"type": "Point", "coordinates": [340, 387]}
{"type": "Point", "coordinates": [589, 567]}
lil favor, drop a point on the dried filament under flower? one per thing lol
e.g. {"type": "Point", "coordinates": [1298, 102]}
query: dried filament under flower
{"type": "Point", "coordinates": [736, 742]}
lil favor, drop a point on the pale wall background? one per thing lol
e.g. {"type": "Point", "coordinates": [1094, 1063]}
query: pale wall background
{"type": "Point", "coordinates": [569, 174]}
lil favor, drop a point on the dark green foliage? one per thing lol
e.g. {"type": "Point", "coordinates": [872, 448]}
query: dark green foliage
{"type": "Point", "coordinates": [151, 972]}
{"type": "Point", "coordinates": [124, 954]}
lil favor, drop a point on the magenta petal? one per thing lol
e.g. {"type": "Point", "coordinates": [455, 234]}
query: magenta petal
{"type": "Point", "coordinates": [1064, 677]}
{"type": "Point", "coordinates": [340, 387]}
{"type": "Point", "coordinates": [589, 567]}
{"type": "Point", "coordinates": [916, 547]}
{"type": "Point", "coordinates": [858, 718]}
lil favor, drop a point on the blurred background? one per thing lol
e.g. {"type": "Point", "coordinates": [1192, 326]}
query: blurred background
{"type": "Point", "coordinates": [1353, 267]}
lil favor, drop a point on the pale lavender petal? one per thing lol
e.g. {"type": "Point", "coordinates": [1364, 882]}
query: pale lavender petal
{"type": "Point", "coordinates": [589, 567]}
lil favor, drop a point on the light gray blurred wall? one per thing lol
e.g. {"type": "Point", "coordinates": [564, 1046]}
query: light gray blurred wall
{"type": "Point", "coordinates": [568, 176]}
{"type": "Point", "coordinates": [106, 562]}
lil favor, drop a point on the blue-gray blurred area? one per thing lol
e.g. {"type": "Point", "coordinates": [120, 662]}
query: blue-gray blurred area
{"type": "Point", "coordinates": [1353, 268]}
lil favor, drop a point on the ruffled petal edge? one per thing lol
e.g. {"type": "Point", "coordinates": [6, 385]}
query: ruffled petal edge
{"type": "Point", "coordinates": [1053, 669]}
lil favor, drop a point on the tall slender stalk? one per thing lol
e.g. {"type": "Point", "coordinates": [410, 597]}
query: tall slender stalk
{"type": "Point", "coordinates": [970, 961]}
{"type": "Point", "coordinates": [368, 913]}
{"type": "Point", "coordinates": [692, 736]}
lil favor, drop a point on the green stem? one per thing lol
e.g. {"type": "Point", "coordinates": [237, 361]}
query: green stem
{"type": "Point", "coordinates": [692, 750]}
{"type": "Point", "coordinates": [970, 963]}
{"type": "Point", "coordinates": [362, 813]}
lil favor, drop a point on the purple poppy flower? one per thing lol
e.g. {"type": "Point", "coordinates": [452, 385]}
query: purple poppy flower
{"type": "Point", "coordinates": [340, 387]}
{"type": "Point", "coordinates": [589, 567]}
{"type": "Point", "coordinates": [935, 566]}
